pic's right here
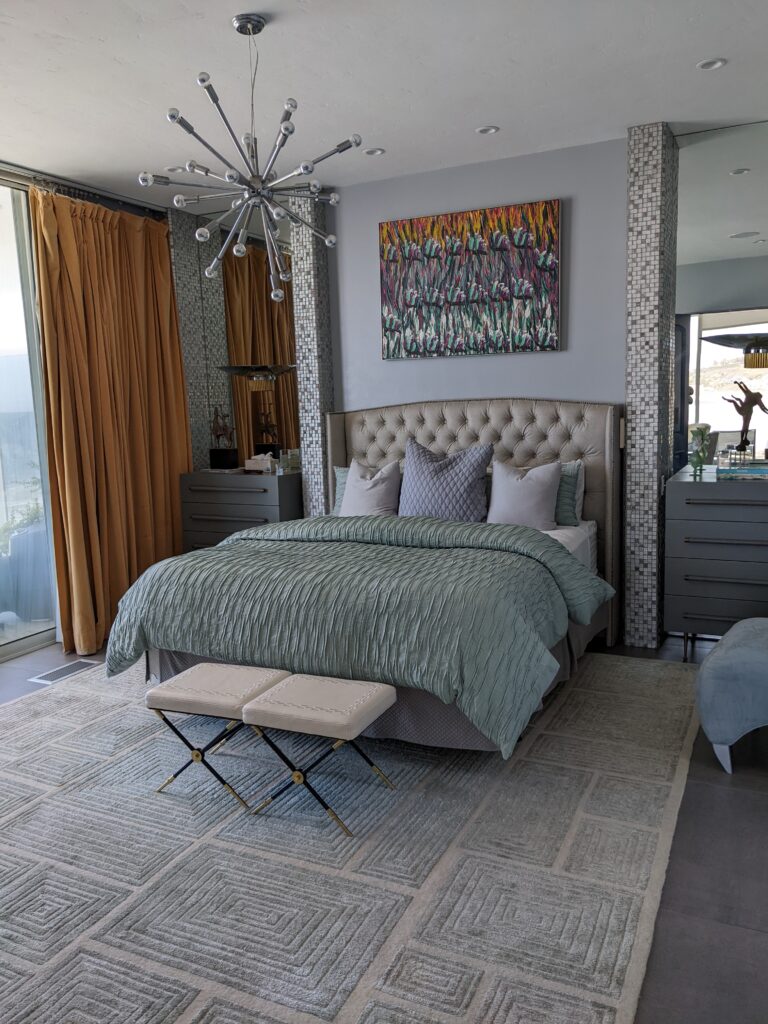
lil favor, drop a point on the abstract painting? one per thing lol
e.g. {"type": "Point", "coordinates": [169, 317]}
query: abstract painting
{"type": "Point", "coordinates": [474, 283]}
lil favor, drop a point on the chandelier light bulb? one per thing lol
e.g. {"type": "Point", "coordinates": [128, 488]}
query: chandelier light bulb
{"type": "Point", "coordinates": [238, 249]}
{"type": "Point", "coordinates": [355, 139]}
{"type": "Point", "coordinates": [279, 213]}
{"type": "Point", "coordinates": [203, 79]}
{"type": "Point", "coordinates": [315, 187]}
{"type": "Point", "coordinates": [146, 179]}
{"type": "Point", "coordinates": [334, 198]}
{"type": "Point", "coordinates": [330, 241]}
{"type": "Point", "coordinates": [173, 115]}
{"type": "Point", "coordinates": [307, 167]}
{"type": "Point", "coordinates": [287, 128]}
{"type": "Point", "coordinates": [211, 271]}
{"type": "Point", "coordinates": [278, 294]}
{"type": "Point", "coordinates": [190, 166]}
{"type": "Point", "coordinates": [202, 234]}
{"type": "Point", "coordinates": [291, 104]}
{"type": "Point", "coordinates": [179, 202]}
{"type": "Point", "coordinates": [286, 275]}
{"type": "Point", "coordinates": [246, 139]}
{"type": "Point", "coordinates": [232, 176]}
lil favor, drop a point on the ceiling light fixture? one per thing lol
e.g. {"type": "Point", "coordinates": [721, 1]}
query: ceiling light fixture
{"type": "Point", "coordinates": [253, 188]}
{"type": "Point", "coordinates": [712, 63]}
{"type": "Point", "coordinates": [740, 170]}
{"type": "Point", "coordinates": [745, 234]}
{"type": "Point", "coordinates": [760, 241]}
{"type": "Point", "coordinates": [375, 151]}
{"type": "Point", "coordinates": [488, 129]}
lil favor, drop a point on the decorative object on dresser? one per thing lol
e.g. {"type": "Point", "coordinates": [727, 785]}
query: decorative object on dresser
{"type": "Point", "coordinates": [716, 553]}
{"type": "Point", "coordinates": [732, 687]}
{"type": "Point", "coordinates": [214, 505]}
{"type": "Point", "coordinates": [745, 406]}
{"type": "Point", "coordinates": [699, 448]}
{"type": "Point", "coordinates": [473, 283]}
{"type": "Point", "coordinates": [223, 453]}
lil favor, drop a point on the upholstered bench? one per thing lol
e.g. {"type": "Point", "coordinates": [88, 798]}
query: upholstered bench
{"type": "Point", "coordinates": [732, 687]}
{"type": "Point", "coordinates": [270, 699]}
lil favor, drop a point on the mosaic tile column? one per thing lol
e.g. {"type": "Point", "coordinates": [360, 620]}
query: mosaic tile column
{"type": "Point", "coordinates": [314, 361]}
{"type": "Point", "coordinates": [203, 329]}
{"type": "Point", "coordinates": [651, 267]}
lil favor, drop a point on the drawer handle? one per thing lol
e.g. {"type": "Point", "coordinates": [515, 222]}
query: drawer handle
{"type": "Point", "coordinates": [711, 618]}
{"type": "Point", "coordinates": [232, 490]}
{"type": "Point", "coordinates": [724, 579]}
{"type": "Point", "coordinates": [725, 501]}
{"type": "Point", "coordinates": [726, 540]}
{"type": "Point", "coordinates": [225, 519]}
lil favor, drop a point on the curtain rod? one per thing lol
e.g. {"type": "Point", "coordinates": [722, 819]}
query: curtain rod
{"type": "Point", "coordinates": [26, 177]}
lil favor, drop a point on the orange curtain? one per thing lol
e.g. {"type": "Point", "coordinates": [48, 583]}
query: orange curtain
{"type": "Point", "coordinates": [260, 331]}
{"type": "Point", "coordinates": [116, 410]}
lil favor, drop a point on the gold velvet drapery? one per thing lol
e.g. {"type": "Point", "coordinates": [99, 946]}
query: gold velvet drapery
{"type": "Point", "coordinates": [260, 331]}
{"type": "Point", "coordinates": [116, 410]}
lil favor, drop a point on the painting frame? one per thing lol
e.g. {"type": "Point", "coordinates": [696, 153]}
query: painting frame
{"type": "Point", "coordinates": [483, 281]}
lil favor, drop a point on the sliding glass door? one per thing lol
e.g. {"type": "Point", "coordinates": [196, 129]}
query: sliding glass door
{"type": "Point", "coordinates": [27, 605]}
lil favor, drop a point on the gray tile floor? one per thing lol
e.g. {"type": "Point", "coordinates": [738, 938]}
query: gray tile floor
{"type": "Point", "coordinates": [709, 960]}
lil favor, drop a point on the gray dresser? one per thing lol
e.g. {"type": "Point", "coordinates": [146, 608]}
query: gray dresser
{"type": "Point", "coordinates": [214, 505]}
{"type": "Point", "coordinates": [716, 569]}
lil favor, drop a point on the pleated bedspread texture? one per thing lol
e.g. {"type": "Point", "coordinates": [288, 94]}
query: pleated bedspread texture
{"type": "Point", "coordinates": [467, 611]}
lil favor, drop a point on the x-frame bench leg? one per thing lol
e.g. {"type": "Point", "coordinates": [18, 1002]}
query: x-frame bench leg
{"type": "Point", "coordinates": [198, 754]}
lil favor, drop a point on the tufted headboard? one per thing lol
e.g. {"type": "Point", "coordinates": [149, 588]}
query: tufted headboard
{"type": "Point", "coordinates": [525, 431]}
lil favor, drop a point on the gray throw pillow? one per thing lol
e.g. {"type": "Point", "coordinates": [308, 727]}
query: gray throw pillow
{"type": "Point", "coordinates": [525, 497]}
{"type": "Point", "coordinates": [445, 486]}
{"type": "Point", "coordinates": [368, 492]}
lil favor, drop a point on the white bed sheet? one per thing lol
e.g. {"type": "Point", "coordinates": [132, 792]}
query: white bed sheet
{"type": "Point", "coordinates": [580, 540]}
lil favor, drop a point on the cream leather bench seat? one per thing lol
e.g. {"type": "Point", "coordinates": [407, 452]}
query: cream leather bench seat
{"type": "Point", "coordinates": [271, 699]}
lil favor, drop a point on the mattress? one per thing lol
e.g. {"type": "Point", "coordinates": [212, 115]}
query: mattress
{"type": "Point", "coordinates": [580, 540]}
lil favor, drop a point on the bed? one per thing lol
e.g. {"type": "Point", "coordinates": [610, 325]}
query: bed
{"type": "Point", "coordinates": [527, 432]}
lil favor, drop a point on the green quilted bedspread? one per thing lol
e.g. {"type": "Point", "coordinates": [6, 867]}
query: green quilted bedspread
{"type": "Point", "coordinates": [467, 611]}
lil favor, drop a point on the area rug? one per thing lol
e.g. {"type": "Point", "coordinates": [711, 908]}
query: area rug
{"type": "Point", "coordinates": [478, 891]}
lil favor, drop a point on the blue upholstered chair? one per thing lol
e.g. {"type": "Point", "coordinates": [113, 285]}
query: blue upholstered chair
{"type": "Point", "coordinates": [732, 687]}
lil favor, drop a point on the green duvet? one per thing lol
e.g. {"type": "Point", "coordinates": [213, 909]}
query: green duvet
{"type": "Point", "coordinates": [467, 611]}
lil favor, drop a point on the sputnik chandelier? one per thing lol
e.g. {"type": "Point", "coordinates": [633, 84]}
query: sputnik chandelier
{"type": "Point", "coordinates": [249, 189]}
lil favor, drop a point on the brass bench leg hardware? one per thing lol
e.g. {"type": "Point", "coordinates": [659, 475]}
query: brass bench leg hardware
{"type": "Point", "coordinates": [334, 817]}
{"type": "Point", "coordinates": [374, 768]}
{"type": "Point", "coordinates": [197, 754]}
{"type": "Point", "coordinates": [221, 743]}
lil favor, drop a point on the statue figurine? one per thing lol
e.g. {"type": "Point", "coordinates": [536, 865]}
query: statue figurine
{"type": "Point", "coordinates": [745, 407]}
{"type": "Point", "coordinates": [221, 430]}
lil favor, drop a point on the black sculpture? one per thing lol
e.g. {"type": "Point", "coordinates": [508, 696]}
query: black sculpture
{"type": "Point", "coordinates": [745, 407]}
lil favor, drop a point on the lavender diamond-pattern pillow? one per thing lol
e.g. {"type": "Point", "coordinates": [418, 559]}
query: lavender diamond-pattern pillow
{"type": "Point", "coordinates": [445, 486]}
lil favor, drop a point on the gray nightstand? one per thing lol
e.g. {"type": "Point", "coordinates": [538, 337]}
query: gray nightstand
{"type": "Point", "coordinates": [716, 553]}
{"type": "Point", "coordinates": [214, 505]}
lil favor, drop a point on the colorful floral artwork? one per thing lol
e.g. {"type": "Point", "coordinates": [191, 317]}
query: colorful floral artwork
{"type": "Point", "coordinates": [472, 283]}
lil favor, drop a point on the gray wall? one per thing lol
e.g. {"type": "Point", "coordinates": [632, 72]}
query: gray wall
{"type": "Point", "coordinates": [591, 181]}
{"type": "Point", "coordinates": [723, 285]}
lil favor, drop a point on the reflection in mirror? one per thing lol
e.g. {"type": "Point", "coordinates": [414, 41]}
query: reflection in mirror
{"type": "Point", "coordinates": [722, 293]}
{"type": "Point", "coordinates": [260, 332]}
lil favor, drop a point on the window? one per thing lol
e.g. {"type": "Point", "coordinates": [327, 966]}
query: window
{"type": "Point", "coordinates": [27, 607]}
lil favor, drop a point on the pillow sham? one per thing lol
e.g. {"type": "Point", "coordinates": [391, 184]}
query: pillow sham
{"type": "Point", "coordinates": [445, 486]}
{"type": "Point", "coordinates": [570, 494]}
{"type": "Point", "coordinates": [524, 497]}
{"type": "Point", "coordinates": [370, 492]}
{"type": "Point", "coordinates": [340, 472]}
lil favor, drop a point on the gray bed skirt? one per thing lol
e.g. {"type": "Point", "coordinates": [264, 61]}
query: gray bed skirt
{"type": "Point", "coordinates": [418, 716]}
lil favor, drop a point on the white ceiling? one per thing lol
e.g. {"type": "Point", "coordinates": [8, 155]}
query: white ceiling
{"type": "Point", "coordinates": [86, 83]}
{"type": "Point", "coordinates": [713, 204]}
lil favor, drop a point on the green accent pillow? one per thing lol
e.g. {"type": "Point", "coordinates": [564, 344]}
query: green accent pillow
{"type": "Point", "coordinates": [570, 494]}
{"type": "Point", "coordinates": [341, 483]}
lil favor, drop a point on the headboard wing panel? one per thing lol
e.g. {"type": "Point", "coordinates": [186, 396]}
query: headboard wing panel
{"type": "Point", "coordinates": [523, 431]}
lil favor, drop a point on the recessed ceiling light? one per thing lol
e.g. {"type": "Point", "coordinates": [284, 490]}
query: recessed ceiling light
{"type": "Point", "coordinates": [375, 151]}
{"type": "Point", "coordinates": [711, 63]}
{"type": "Point", "coordinates": [740, 170]}
{"type": "Point", "coordinates": [745, 234]}
{"type": "Point", "coordinates": [760, 241]}
{"type": "Point", "coordinates": [487, 129]}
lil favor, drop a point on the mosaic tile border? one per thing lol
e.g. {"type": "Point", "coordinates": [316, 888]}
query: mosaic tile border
{"type": "Point", "coordinates": [651, 259]}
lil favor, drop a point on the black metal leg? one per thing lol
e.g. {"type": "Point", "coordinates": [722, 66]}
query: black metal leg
{"type": "Point", "coordinates": [375, 768]}
{"type": "Point", "coordinates": [198, 753]}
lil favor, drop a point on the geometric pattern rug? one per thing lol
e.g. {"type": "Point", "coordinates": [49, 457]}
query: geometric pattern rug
{"type": "Point", "coordinates": [479, 890]}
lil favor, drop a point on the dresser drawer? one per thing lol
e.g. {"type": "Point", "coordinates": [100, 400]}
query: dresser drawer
{"type": "Point", "coordinates": [210, 517]}
{"type": "Point", "coordinates": [696, 577]}
{"type": "Point", "coordinates": [230, 488]}
{"type": "Point", "coordinates": [720, 540]}
{"type": "Point", "coordinates": [711, 615]}
{"type": "Point", "coordinates": [741, 501]}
